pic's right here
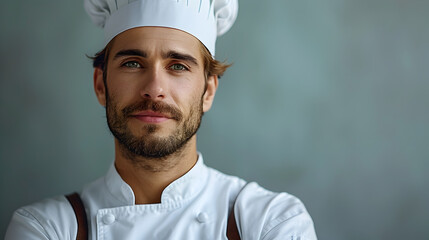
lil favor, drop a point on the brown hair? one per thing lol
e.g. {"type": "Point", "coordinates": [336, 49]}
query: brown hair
{"type": "Point", "coordinates": [212, 67]}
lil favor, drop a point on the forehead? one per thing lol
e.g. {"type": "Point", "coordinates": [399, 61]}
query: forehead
{"type": "Point", "coordinates": [155, 40]}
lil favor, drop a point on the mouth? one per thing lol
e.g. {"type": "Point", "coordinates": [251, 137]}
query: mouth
{"type": "Point", "coordinates": [151, 117]}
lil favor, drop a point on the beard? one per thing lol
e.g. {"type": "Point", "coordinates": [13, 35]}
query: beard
{"type": "Point", "coordinates": [149, 144]}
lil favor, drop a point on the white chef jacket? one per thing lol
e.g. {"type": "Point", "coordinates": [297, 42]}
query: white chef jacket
{"type": "Point", "coordinates": [194, 207]}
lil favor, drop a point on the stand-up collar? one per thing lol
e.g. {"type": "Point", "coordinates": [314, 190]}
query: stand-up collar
{"type": "Point", "coordinates": [182, 189]}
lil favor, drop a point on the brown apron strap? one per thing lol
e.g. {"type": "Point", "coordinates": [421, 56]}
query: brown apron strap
{"type": "Point", "coordinates": [79, 211]}
{"type": "Point", "coordinates": [231, 228]}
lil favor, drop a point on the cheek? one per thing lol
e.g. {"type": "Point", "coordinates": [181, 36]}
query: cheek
{"type": "Point", "coordinates": [122, 91]}
{"type": "Point", "coordinates": [187, 94]}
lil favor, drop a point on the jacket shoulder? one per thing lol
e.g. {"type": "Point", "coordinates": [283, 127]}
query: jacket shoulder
{"type": "Point", "coordinates": [52, 218]}
{"type": "Point", "coordinates": [262, 214]}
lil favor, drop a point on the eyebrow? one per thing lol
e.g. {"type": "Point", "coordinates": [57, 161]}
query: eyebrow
{"type": "Point", "coordinates": [180, 56]}
{"type": "Point", "coordinates": [130, 52]}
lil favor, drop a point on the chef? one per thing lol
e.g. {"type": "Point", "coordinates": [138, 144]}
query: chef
{"type": "Point", "coordinates": [155, 77]}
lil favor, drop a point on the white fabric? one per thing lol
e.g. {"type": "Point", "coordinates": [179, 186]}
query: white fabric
{"type": "Point", "coordinates": [204, 19]}
{"type": "Point", "coordinates": [194, 207]}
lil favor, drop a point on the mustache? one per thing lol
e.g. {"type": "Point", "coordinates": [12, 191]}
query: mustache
{"type": "Point", "coordinates": [156, 106]}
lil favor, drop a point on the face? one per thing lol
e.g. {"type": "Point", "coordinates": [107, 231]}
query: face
{"type": "Point", "coordinates": [155, 91]}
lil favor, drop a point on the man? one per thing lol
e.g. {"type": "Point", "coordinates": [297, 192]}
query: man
{"type": "Point", "coordinates": [156, 77]}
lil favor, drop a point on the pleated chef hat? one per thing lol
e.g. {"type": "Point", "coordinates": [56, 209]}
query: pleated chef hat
{"type": "Point", "coordinates": [204, 19]}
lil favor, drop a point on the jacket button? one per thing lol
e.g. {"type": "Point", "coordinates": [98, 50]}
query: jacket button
{"type": "Point", "coordinates": [108, 219]}
{"type": "Point", "coordinates": [202, 217]}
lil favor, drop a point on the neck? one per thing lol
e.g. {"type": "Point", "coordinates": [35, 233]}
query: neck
{"type": "Point", "coordinates": [148, 177]}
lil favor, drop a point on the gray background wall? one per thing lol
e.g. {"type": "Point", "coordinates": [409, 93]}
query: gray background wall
{"type": "Point", "coordinates": [327, 100]}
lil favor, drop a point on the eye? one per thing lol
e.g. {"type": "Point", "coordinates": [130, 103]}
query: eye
{"type": "Point", "coordinates": [178, 67]}
{"type": "Point", "coordinates": [132, 64]}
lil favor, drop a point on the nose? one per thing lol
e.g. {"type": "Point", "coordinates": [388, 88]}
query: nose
{"type": "Point", "coordinates": [153, 86]}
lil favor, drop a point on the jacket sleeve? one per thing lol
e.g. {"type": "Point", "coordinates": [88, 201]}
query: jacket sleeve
{"type": "Point", "coordinates": [265, 215]}
{"type": "Point", "coordinates": [51, 219]}
{"type": "Point", "coordinates": [25, 226]}
{"type": "Point", "coordinates": [299, 227]}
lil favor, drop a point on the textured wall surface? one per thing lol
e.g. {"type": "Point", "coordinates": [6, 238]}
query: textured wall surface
{"type": "Point", "coordinates": [327, 100]}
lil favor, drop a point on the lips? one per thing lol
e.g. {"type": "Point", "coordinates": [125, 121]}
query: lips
{"type": "Point", "coordinates": [151, 117]}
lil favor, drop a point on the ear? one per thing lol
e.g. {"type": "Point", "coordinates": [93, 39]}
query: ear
{"type": "Point", "coordinates": [212, 83]}
{"type": "Point", "coordinates": [99, 87]}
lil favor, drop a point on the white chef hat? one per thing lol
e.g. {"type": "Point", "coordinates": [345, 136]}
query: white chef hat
{"type": "Point", "coordinates": [204, 19]}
